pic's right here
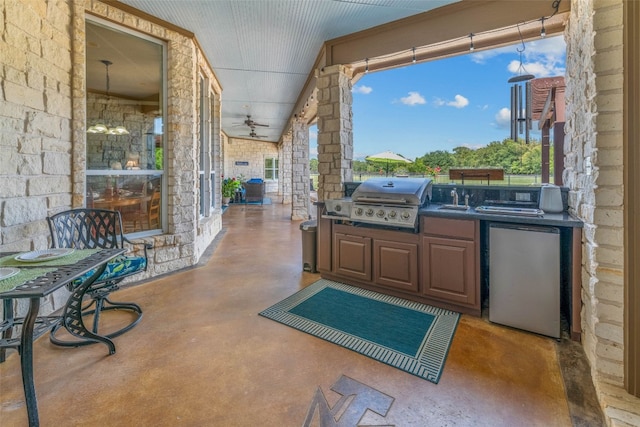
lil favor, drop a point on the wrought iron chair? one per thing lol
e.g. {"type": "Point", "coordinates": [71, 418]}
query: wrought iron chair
{"type": "Point", "coordinates": [91, 229]}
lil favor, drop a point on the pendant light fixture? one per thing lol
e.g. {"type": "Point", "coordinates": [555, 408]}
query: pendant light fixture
{"type": "Point", "coordinates": [101, 127]}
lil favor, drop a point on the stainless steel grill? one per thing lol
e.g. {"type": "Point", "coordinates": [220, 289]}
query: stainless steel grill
{"type": "Point", "coordinates": [384, 201]}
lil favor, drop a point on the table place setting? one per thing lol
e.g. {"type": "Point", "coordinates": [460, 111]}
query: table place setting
{"type": "Point", "coordinates": [11, 277]}
{"type": "Point", "coordinates": [46, 257]}
{"type": "Point", "coordinates": [5, 273]}
{"type": "Point", "coordinates": [43, 255]}
{"type": "Point", "coordinates": [17, 269]}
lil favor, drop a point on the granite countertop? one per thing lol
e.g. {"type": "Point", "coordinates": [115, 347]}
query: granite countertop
{"type": "Point", "coordinates": [563, 219]}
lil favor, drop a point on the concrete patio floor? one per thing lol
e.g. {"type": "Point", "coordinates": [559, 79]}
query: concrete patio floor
{"type": "Point", "coordinates": [202, 356]}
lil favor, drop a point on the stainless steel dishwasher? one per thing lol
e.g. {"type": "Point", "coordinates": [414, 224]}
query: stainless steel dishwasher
{"type": "Point", "coordinates": [524, 277]}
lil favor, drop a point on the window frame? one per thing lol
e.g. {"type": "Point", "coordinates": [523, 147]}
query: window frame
{"type": "Point", "coordinates": [156, 173]}
{"type": "Point", "coordinates": [275, 169]}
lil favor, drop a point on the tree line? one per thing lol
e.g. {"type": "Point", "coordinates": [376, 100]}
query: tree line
{"type": "Point", "coordinates": [515, 157]}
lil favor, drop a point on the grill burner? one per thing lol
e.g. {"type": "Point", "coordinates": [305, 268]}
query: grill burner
{"type": "Point", "coordinates": [384, 201]}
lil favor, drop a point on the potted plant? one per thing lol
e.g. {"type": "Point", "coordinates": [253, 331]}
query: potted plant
{"type": "Point", "coordinates": [229, 188]}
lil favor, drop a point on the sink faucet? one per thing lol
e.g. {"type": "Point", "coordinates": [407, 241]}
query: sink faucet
{"type": "Point", "coordinates": [454, 194]}
{"type": "Point", "coordinates": [466, 200]}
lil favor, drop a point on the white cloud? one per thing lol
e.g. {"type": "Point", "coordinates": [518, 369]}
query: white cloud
{"type": "Point", "coordinates": [542, 57]}
{"type": "Point", "coordinates": [460, 102]}
{"type": "Point", "coordinates": [365, 90]}
{"type": "Point", "coordinates": [414, 98]}
{"type": "Point", "coordinates": [503, 118]}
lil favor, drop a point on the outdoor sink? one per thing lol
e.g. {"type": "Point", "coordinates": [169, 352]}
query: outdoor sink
{"type": "Point", "coordinates": [454, 207]}
{"type": "Point", "coordinates": [500, 210]}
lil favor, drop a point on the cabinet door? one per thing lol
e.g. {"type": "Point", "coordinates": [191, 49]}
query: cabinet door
{"type": "Point", "coordinates": [395, 264]}
{"type": "Point", "coordinates": [449, 270]}
{"type": "Point", "coordinates": [323, 245]}
{"type": "Point", "coordinates": [352, 256]}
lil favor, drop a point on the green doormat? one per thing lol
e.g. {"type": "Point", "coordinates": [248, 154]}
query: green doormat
{"type": "Point", "coordinates": [408, 335]}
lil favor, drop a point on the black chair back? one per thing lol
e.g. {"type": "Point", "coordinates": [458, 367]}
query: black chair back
{"type": "Point", "coordinates": [86, 229]}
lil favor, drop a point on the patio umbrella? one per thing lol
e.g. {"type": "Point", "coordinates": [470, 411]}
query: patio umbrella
{"type": "Point", "coordinates": [388, 158]}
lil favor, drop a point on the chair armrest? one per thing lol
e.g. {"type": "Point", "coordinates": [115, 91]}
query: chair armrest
{"type": "Point", "coordinates": [146, 246]}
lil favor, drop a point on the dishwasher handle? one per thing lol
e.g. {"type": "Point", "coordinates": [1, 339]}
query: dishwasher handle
{"type": "Point", "coordinates": [524, 227]}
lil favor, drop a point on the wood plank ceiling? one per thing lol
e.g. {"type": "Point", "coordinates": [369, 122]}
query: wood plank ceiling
{"type": "Point", "coordinates": [263, 51]}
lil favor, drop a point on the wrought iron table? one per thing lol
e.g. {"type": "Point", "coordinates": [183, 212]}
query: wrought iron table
{"type": "Point", "coordinates": [57, 275]}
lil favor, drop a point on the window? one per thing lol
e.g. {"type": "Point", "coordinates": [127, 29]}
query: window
{"type": "Point", "coordinates": [213, 149]}
{"type": "Point", "coordinates": [124, 121]}
{"type": "Point", "coordinates": [204, 153]}
{"type": "Point", "coordinates": [271, 168]}
{"type": "Point", "coordinates": [207, 147]}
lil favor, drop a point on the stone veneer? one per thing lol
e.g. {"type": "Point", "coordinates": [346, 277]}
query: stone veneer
{"type": "Point", "coordinates": [335, 131]}
{"type": "Point", "coordinates": [594, 173]}
{"type": "Point", "coordinates": [43, 133]}
{"type": "Point", "coordinates": [300, 172]}
{"type": "Point", "coordinates": [285, 151]}
{"type": "Point", "coordinates": [253, 152]}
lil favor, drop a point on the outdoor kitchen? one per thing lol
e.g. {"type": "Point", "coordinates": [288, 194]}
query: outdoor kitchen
{"type": "Point", "coordinates": [508, 253]}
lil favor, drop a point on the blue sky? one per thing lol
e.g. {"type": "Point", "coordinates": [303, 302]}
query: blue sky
{"type": "Point", "coordinates": [440, 105]}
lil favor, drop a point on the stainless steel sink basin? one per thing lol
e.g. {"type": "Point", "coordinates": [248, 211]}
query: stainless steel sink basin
{"type": "Point", "coordinates": [499, 210]}
{"type": "Point", "coordinates": [454, 207]}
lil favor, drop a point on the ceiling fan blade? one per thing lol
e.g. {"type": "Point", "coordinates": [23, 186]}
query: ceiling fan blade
{"type": "Point", "coordinates": [249, 122]}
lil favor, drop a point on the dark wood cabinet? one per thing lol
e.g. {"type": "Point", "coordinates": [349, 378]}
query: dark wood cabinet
{"type": "Point", "coordinates": [440, 266]}
{"type": "Point", "coordinates": [376, 257]}
{"type": "Point", "coordinates": [395, 264]}
{"type": "Point", "coordinates": [324, 238]}
{"type": "Point", "coordinates": [352, 256]}
{"type": "Point", "coordinates": [450, 263]}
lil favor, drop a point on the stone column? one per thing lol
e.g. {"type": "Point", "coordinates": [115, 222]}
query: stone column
{"type": "Point", "coordinates": [300, 168]}
{"type": "Point", "coordinates": [335, 131]}
{"type": "Point", "coordinates": [285, 180]}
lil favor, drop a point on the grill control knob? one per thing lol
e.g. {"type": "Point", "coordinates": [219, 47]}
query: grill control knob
{"type": "Point", "coordinates": [369, 212]}
{"type": "Point", "coordinates": [380, 213]}
{"type": "Point", "coordinates": [359, 211]}
{"type": "Point", "coordinates": [406, 215]}
{"type": "Point", "coordinates": [393, 214]}
{"type": "Point", "coordinates": [338, 208]}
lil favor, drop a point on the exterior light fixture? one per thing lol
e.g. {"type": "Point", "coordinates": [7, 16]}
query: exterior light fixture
{"type": "Point", "coordinates": [101, 127]}
{"type": "Point", "coordinates": [414, 55]}
{"type": "Point", "coordinates": [366, 67]}
{"type": "Point", "coordinates": [543, 32]}
{"type": "Point", "coordinates": [471, 46]}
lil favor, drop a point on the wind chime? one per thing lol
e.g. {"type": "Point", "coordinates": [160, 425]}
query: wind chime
{"type": "Point", "coordinates": [521, 99]}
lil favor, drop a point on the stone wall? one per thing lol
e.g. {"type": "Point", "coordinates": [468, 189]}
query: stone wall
{"type": "Point", "coordinates": [43, 132]}
{"type": "Point", "coordinates": [102, 149]}
{"type": "Point", "coordinates": [594, 172]}
{"type": "Point", "coordinates": [335, 131]}
{"type": "Point", "coordinates": [252, 152]}
{"type": "Point", "coordinates": [285, 150]}
{"type": "Point", "coordinates": [300, 173]}
{"type": "Point", "coordinates": [35, 121]}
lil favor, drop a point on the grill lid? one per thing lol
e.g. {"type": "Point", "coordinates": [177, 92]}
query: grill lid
{"type": "Point", "coordinates": [398, 191]}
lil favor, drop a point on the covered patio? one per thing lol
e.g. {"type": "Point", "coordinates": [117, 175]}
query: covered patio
{"type": "Point", "coordinates": [202, 356]}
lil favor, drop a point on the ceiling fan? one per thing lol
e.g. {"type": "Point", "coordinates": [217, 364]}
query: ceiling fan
{"type": "Point", "coordinates": [253, 134]}
{"type": "Point", "coordinates": [249, 122]}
